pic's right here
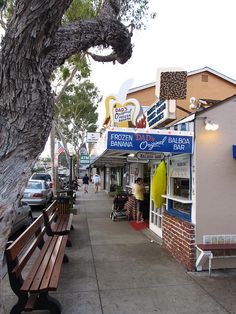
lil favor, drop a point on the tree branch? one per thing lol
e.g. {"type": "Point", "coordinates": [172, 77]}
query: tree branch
{"type": "Point", "coordinates": [34, 22]}
{"type": "Point", "coordinates": [67, 82]}
{"type": "Point", "coordinates": [80, 36]}
{"type": "Point", "coordinates": [108, 58]}
{"type": "Point", "coordinates": [110, 8]}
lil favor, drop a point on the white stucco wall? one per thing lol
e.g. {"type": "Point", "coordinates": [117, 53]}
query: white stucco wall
{"type": "Point", "coordinates": [216, 172]}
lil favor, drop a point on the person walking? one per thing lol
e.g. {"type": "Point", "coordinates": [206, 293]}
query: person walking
{"type": "Point", "coordinates": [96, 182]}
{"type": "Point", "coordinates": [139, 196]}
{"type": "Point", "coordinates": [85, 183]}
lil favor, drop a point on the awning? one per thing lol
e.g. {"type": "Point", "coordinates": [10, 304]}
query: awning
{"type": "Point", "coordinates": [110, 158]}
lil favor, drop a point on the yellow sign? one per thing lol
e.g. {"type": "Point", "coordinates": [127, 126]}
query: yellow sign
{"type": "Point", "coordinates": [122, 114]}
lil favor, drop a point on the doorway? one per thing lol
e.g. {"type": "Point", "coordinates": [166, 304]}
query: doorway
{"type": "Point", "coordinates": [155, 221]}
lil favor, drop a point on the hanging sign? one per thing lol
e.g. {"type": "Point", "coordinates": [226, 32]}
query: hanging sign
{"type": "Point", "coordinates": [150, 156]}
{"type": "Point", "coordinates": [92, 137]}
{"type": "Point", "coordinates": [161, 113]}
{"type": "Point", "coordinates": [144, 142]}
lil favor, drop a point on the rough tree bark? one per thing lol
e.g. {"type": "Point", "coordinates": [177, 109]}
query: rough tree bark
{"type": "Point", "coordinates": [34, 45]}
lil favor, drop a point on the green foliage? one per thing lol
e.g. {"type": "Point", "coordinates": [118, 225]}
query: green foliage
{"type": "Point", "coordinates": [135, 12]}
{"type": "Point", "coordinates": [76, 111]}
{"type": "Point", "coordinates": [65, 72]}
{"type": "Point", "coordinates": [7, 7]}
{"type": "Point", "coordinates": [82, 64]}
{"type": "Point", "coordinates": [80, 9]}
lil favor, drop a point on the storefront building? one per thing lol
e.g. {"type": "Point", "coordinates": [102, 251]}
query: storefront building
{"type": "Point", "coordinates": [198, 205]}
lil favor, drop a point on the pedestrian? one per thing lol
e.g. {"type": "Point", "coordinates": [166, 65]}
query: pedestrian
{"type": "Point", "coordinates": [96, 182]}
{"type": "Point", "coordinates": [139, 196]}
{"type": "Point", "coordinates": [85, 183]}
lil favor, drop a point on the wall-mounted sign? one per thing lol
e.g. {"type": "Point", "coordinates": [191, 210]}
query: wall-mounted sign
{"type": "Point", "coordinates": [92, 137]}
{"type": "Point", "coordinates": [166, 141]}
{"type": "Point", "coordinates": [84, 159]}
{"type": "Point", "coordinates": [83, 150]}
{"type": "Point", "coordinates": [171, 83]}
{"type": "Point", "coordinates": [234, 151]}
{"type": "Point", "coordinates": [161, 113]}
{"type": "Point", "coordinates": [150, 156]}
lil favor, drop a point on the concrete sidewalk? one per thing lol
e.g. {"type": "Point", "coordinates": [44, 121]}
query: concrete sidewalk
{"type": "Point", "coordinates": [114, 269]}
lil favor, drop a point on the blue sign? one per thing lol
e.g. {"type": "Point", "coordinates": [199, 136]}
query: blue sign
{"type": "Point", "coordinates": [155, 113]}
{"type": "Point", "coordinates": [144, 142]}
{"type": "Point", "coordinates": [234, 151]}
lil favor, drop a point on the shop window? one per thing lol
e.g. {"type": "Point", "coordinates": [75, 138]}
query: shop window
{"type": "Point", "coordinates": [181, 187]}
{"type": "Point", "coordinates": [180, 210]}
{"type": "Point", "coordinates": [178, 197]}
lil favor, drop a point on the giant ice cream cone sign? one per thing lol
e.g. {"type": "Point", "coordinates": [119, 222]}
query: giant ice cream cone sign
{"type": "Point", "coordinates": [122, 114]}
{"type": "Point", "coordinates": [120, 111]}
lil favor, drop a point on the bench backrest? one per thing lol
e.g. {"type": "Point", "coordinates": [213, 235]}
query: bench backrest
{"type": "Point", "coordinates": [20, 251]}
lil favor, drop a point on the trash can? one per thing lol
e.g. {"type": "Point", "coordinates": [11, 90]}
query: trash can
{"type": "Point", "coordinates": [64, 204]}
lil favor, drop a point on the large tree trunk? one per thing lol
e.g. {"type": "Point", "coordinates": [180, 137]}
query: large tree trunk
{"type": "Point", "coordinates": [34, 45]}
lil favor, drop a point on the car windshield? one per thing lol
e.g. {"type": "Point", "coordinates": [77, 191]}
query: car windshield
{"type": "Point", "coordinates": [38, 176]}
{"type": "Point", "coordinates": [34, 185]}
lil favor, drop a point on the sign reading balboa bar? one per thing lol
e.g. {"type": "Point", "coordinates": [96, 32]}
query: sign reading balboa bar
{"type": "Point", "coordinates": [162, 142]}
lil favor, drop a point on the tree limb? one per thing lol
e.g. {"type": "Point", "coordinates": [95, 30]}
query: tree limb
{"type": "Point", "coordinates": [67, 82]}
{"type": "Point", "coordinates": [99, 58]}
{"type": "Point", "coordinates": [80, 36]}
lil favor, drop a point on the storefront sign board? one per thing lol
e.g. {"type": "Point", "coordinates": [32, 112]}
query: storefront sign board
{"type": "Point", "coordinates": [153, 142]}
{"type": "Point", "coordinates": [234, 151]}
{"type": "Point", "coordinates": [84, 159]}
{"type": "Point", "coordinates": [161, 113]}
{"type": "Point", "coordinates": [150, 156]}
{"type": "Point", "coordinates": [92, 137]}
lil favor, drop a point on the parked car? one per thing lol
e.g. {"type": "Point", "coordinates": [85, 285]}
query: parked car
{"type": "Point", "coordinates": [37, 192]}
{"type": "Point", "coordinates": [42, 176]}
{"type": "Point", "coordinates": [24, 217]}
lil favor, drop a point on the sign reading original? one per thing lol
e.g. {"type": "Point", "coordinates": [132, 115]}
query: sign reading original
{"type": "Point", "coordinates": [143, 142]}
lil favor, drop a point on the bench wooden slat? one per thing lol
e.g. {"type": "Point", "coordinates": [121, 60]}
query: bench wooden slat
{"type": "Point", "coordinates": [57, 222]}
{"type": "Point", "coordinates": [13, 250]}
{"type": "Point", "coordinates": [47, 251]}
{"type": "Point", "coordinates": [57, 269]}
{"type": "Point", "coordinates": [61, 223]}
{"type": "Point", "coordinates": [35, 286]}
{"type": "Point", "coordinates": [27, 255]}
{"type": "Point", "coordinates": [52, 263]}
{"type": "Point", "coordinates": [33, 271]}
{"type": "Point", "coordinates": [69, 224]}
{"type": "Point", "coordinates": [220, 246]}
{"type": "Point", "coordinates": [65, 223]}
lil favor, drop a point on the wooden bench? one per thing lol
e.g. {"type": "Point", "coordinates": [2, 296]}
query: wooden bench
{"type": "Point", "coordinates": [57, 221]}
{"type": "Point", "coordinates": [34, 263]}
{"type": "Point", "coordinates": [213, 251]}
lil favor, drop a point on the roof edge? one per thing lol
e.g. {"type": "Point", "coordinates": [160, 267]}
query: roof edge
{"type": "Point", "coordinates": [206, 68]}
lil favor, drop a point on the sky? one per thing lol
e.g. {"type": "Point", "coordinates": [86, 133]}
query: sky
{"type": "Point", "coordinates": [187, 34]}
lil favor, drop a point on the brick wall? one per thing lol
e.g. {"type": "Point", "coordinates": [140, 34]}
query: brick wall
{"type": "Point", "coordinates": [179, 240]}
